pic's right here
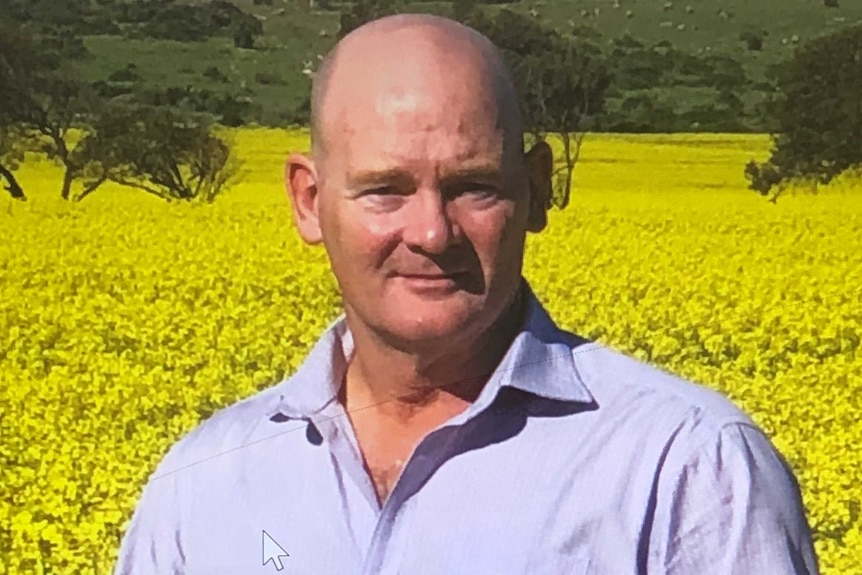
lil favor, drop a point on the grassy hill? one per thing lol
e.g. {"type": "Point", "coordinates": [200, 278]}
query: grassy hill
{"type": "Point", "coordinates": [271, 76]}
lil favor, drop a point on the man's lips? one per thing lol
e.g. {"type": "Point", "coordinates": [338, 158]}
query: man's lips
{"type": "Point", "coordinates": [432, 276]}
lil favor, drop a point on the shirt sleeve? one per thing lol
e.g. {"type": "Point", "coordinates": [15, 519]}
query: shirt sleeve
{"type": "Point", "coordinates": [152, 545]}
{"type": "Point", "coordinates": [730, 507]}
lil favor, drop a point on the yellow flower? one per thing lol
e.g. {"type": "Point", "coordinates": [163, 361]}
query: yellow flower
{"type": "Point", "coordinates": [119, 324]}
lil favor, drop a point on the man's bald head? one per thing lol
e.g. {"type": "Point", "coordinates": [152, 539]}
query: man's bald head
{"type": "Point", "coordinates": [428, 40]}
{"type": "Point", "coordinates": [419, 169]}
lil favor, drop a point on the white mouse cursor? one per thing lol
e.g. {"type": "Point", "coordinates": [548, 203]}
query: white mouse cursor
{"type": "Point", "coordinates": [272, 551]}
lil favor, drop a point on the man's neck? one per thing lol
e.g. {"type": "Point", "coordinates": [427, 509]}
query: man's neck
{"type": "Point", "coordinates": [404, 389]}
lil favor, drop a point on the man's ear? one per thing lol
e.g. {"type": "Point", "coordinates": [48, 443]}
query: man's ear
{"type": "Point", "coordinates": [301, 181]}
{"type": "Point", "coordinates": [540, 166]}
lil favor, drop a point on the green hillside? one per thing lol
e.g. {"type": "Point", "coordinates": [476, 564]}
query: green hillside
{"type": "Point", "coordinates": [271, 76]}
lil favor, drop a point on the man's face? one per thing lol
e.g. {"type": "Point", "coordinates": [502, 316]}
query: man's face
{"type": "Point", "coordinates": [418, 183]}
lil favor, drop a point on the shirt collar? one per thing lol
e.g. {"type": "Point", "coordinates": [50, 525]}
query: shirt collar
{"type": "Point", "coordinates": [539, 360]}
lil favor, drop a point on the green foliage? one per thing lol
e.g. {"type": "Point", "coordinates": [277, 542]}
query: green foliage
{"type": "Point", "coordinates": [183, 23]}
{"type": "Point", "coordinates": [111, 141]}
{"type": "Point", "coordinates": [244, 32]}
{"type": "Point", "coordinates": [561, 82]}
{"type": "Point", "coordinates": [644, 77]}
{"type": "Point", "coordinates": [301, 115]}
{"type": "Point", "coordinates": [213, 73]}
{"type": "Point", "coordinates": [139, 12]}
{"type": "Point", "coordinates": [818, 114]}
{"type": "Point", "coordinates": [44, 96]}
{"type": "Point", "coordinates": [60, 23]}
{"type": "Point", "coordinates": [195, 23]}
{"type": "Point", "coordinates": [269, 79]}
{"type": "Point", "coordinates": [358, 13]}
{"type": "Point", "coordinates": [14, 144]}
{"type": "Point", "coordinates": [158, 151]}
{"type": "Point", "coordinates": [228, 109]}
{"type": "Point", "coordinates": [127, 74]}
{"type": "Point", "coordinates": [294, 33]}
{"type": "Point", "coordinates": [119, 83]}
{"type": "Point", "coordinates": [18, 61]}
{"type": "Point", "coordinates": [753, 40]}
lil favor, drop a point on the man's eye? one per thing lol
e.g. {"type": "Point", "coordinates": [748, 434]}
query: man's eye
{"type": "Point", "coordinates": [385, 198]}
{"type": "Point", "coordinates": [477, 190]}
{"type": "Point", "coordinates": [385, 190]}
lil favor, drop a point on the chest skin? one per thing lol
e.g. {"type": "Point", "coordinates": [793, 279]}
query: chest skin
{"type": "Point", "coordinates": [385, 454]}
{"type": "Point", "coordinates": [386, 443]}
{"type": "Point", "coordinates": [384, 478]}
{"type": "Point", "coordinates": [386, 446]}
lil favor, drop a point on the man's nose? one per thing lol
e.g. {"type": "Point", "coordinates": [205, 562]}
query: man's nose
{"type": "Point", "coordinates": [429, 226]}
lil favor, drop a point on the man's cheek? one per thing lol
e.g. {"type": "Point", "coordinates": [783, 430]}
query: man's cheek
{"type": "Point", "coordinates": [377, 229]}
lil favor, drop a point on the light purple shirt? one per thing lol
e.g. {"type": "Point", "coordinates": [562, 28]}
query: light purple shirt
{"type": "Point", "coordinates": [575, 459]}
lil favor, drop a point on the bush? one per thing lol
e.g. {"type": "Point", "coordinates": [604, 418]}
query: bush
{"type": "Point", "coordinates": [269, 79]}
{"type": "Point", "coordinates": [170, 155]}
{"type": "Point", "coordinates": [195, 23]}
{"type": "Point", "coordinates": [816, 114]}
{"type": "Point", "coordinates": [213, 73]}
{"type": "Point", "coordinates": [753, 41]}
{"type": "Point", "coordinates": [180, 22]}
{"type": "Point", "coordinates": [127, 74]}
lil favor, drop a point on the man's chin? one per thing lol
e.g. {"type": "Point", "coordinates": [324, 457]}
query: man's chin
{"type": "Point", "coordinates": [430, 325]}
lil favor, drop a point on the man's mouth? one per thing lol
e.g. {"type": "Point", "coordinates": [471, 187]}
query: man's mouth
{"type": "Point", "coordinates": [434, 276]}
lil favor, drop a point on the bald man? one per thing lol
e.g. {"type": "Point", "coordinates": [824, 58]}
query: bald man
{"type": "Point", "coordinates": [444, 424]}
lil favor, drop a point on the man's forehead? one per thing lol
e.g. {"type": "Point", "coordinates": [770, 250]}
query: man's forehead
{"type": "Point", "coordinates": [420, 135]}
{"type": "Point", "coordinates": [439, 99]}
{"type": "Point", "coordinates": [412, 110]}
{"type": "Point", "coordinates": [417, 81]}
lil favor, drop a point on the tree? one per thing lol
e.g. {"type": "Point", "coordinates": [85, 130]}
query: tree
{"type": "Point", "coordinates": [635, 66]}
{"type": "Point", "coordinates": [753, 40]}
{"type": "Point", "coordinates": [224, 15]}
{"type": "Point", "coordinates": [817, 115]}
{"type": "Point", "coordinates": [40, 95]}
{"type": "Point", "coordinates": [638, 111]}
{"type": "Point", "coordinates": [244, 33]}
{"type": "Point", "coordinates": [195, 23]}
{"type": "Point", "coordinates": [561, 82]}
{"type": "Point", "coordinates": [179, 22]}
{"type": "Point", "coordinates": [465, 10]}
{"type": "Point", "coordinates": [362, 11]}
{"type": "Point", "coordinates": [159, 151]}
{"type": "Point", "coordinates": [562, 92]}
{"type": "Point", "coordinates": [13, 145]}
{"type": "Point", "coordinates": [15, 57]}
{"type": "Point", "coordinates": [156, 150]}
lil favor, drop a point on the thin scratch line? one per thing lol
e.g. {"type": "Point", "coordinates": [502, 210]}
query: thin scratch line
{"type": "Point", "coordinates": [591, 345]}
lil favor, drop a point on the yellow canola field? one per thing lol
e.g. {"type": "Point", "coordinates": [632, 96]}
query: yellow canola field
{"type": "Point", "coordinates": [125, 321]}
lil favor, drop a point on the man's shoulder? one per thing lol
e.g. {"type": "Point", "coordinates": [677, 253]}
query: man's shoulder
{"type": "Point", "coordinates": [226, 430]}
{"type": "Point", "coordinates": [620, 381]}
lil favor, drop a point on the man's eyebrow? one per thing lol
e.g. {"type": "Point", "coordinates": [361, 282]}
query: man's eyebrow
{"type": "Point", "coordinates": [398, 175]}
{"type": "Point", "coordinates": [483, 173]}
{"type": "Point", "coordinates": [401, 177]}
{"type": "Point", "coordinates": [376, 177]}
